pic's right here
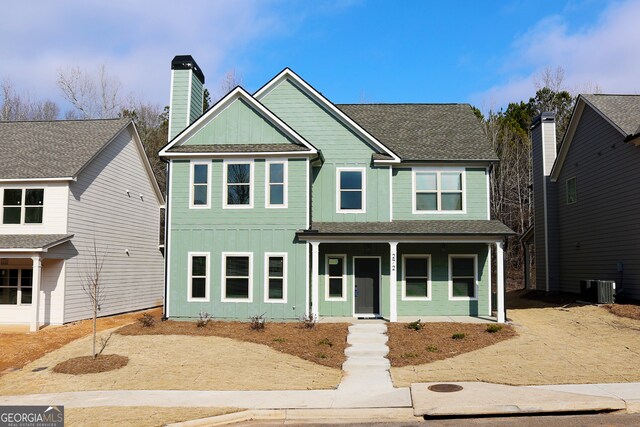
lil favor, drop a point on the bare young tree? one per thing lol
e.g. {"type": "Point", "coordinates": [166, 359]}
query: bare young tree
{"type": "Point", "coordinates": [20, 106]}
{"type": "Point", "coordinates": [93, 286]}
{"type": "Point", "coordinates": [230, 80]}
{"type": "Point", "coordinates": [93, 96]}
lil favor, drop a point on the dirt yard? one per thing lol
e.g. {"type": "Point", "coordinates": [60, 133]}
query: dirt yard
{"type": "Point", "coordinates": [555, 345]}
{"type": "Point", "coordinates": [18, 349]}
{"type": "Point", "coordinates": [135, 416]}
{"type": "Point", "coordinates": [175, 362]}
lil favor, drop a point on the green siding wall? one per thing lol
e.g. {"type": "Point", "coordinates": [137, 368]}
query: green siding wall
{"type": "Point", "coordinates": [340, 148]}
{"type": "Point", "coordinates": [476, 196]}
{"type": "Point", "coordinates": [197, 93]}
{"type": "Point", "coordinates": [180, 94]}
{"type": "Point", "coordinates": [238, 124]}
{"type": "Point", "coordinates": [216, 230]}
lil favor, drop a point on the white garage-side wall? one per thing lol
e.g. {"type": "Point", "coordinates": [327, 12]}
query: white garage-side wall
{"type": "Point", "coordinates": [54, 207]}
{"type": "Point", "coordinates": [114, 205]}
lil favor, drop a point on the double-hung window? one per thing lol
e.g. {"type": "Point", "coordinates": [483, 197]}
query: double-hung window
{"type": "Point", "coordinates": [22, 206]}
{"type": "Point", "coordinates": [351, 191]}
{"type": "Point", "coordinates": [275, 277]}
{"type": "Point", "coordinates": [200, 182]}
{"type": "Point", "coordinates": [438, 191]}
{"type": "Point", "coordinates": [276, 191]}
{"type": "Point", "coordinates": [238, 182]}
{"type": "Point", "coordinates": [237, 277]}
{"type": "Point", "coordinates": [463, 276]}
{"type": "Point", "coordinates": [336, 278]}
{"type": "Point", "coordinates": [417, 277]}
{"type": "Point", "coordinates": [15, 286]}
{"type": "Point", "coordinates": [198, 276]}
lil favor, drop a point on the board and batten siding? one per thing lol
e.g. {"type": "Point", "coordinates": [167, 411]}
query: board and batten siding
{"type": "Point", "coordinates": [602, 228]}
{"type": "Point", "coordinates": [256, 230]}
{"type": "Point", "coordinates": [476, 201]}
{"type": "Point", "coordinates": [238, 124]}
{"type": "Point", "coordinates": [54, 212]}
{"type": "Point", "coordinates": [340, 147]}
{"type": "Point", "coordinates": [113, 204]}
{"type": "Point", "coordinates": [179, 101]}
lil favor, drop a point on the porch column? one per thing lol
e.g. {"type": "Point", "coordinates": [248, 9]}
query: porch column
{"type": "Point", "coordinates": [393, 277]}
{"type": "Point", "coordinates": [315, 272]}
{"type": "Point", "coordinates": [500, 281]}
{"type": "Point", "coordinates": [35, 293]}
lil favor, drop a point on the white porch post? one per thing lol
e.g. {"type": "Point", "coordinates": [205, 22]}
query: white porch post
{"type": "Point", "coordinates": [500, 281]}
{"type": "Point", "coordinates": [393, 277]}
{"type": "Point", "coordinates": [35, 293]}
{"type": "Point", "coordinates": [315, 272]}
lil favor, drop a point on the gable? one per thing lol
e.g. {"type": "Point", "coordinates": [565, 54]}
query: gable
{"type": "Point", "coordinates": [239, 123]}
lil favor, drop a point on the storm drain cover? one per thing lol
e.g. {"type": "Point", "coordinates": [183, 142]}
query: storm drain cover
{"type": "Point", "coordinates": [445, 388]}
{"type": "Point", "coordinates": [39, 369]}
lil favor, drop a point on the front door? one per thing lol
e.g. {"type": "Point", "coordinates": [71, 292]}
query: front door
{"type": "Point", "coordinates": [367, 285]}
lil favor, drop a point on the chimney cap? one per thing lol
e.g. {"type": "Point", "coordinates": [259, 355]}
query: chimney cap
{"type": "Point", "coordinates": [546, 117]}
{"type": "Point", "coordinates": [186, 62]}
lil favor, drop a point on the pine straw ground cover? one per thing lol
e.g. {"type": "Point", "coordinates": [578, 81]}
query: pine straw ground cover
{"type": "Point", "coordinates": [437, 341]}
{"type": "Point", "coordinates": [89, 365]}
{"type": "Point", "coordinates": [632, 311]}
{"type": "Point", "coordinates": [323, 344]}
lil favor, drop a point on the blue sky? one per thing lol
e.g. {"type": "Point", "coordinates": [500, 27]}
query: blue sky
{"type": "Point", "coordinates": [487, 53]}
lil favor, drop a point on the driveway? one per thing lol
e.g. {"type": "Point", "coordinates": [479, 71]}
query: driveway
{"type": "Point", "coordinates": [555, 345]}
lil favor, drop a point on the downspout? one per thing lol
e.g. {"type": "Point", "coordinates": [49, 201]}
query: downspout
{"type": "Point", "coordinates": [166, 242]}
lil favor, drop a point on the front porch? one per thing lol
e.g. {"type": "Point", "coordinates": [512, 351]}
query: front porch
{"type": "Point", "coordinates": [374, 271]}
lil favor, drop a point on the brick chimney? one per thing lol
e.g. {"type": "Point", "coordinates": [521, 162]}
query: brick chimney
{"type": "Point", "coordinates": [543, 139]}
{"type": "Point", "coordinates": [187, 92]}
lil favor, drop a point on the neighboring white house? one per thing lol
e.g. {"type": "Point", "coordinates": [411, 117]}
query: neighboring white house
{"type": "Point", "coordinates": [66, 188]}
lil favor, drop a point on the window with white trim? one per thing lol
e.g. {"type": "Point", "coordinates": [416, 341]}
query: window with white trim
{"type": "Point", "coordinates": [351, 191]}
{"type": "Point", "coordinates": [462, 276]}
{"type": "Point", "coordinates": [275, 277]}
{"type": "Point", "coordinates": [22, 206]}
{"type": "Point", "coordinates": [238, 177]}
{"type": "Point", "coordinates": [200, 181]}
{"type": "Point", "coordinates": [16, 286]}
{"type": "Point", "coordinates": [198, 276]}
{"type": "Point", "coordinates": [336, 278]}
{"type": "Point", "coordinates": [572, 191]}
{"type": "Point", "coordinates": [276, 180]}
{"type": "Point", "coordinates": [438, 190]}
{"type": "Point", "coordinates": [416, 284]}
{"type": "Point", "coordinates": [237, 281]}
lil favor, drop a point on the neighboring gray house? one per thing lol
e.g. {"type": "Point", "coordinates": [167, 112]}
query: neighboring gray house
{"type": "Point", "coordinates": [66, 186]}
{"type": "Point", "coordinates": [586, 199]}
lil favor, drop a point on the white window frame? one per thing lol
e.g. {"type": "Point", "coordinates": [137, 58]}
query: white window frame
{"type": "Point", "coordinates": [327, 278]}
{"type": "Point", "coordinates": [363, 171]}
{"type": "Point", "coordinates": [19, 287]}
{"type": "Point", "coordinates": [223, 281]}
{"type": "Point", "coordinates": [192, 166]}
{"type": "Point", "coordinates": [207, 285]}
{"type": "Point", "coordinates": [23, 206]}
{"type": "Point", "coordinates": [285, 183]}
{"type": "Point", "coordinates": [438, 191]}
{"type": "Point", "coordinates": [282, 255]}
{"type": "Point", "coordinates": [404, 277]}
{"type": "Point", "coordinates": [225, 165]}
{"type": "Point", "coordinates": [475, 277]}
{"type": "Point", "coordinates": [573, 178]}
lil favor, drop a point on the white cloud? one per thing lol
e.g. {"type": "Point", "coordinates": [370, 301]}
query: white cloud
{"type": "Point", "coordinates": [605, 55]}
{"type": "Point", "coordinates": [135, 40]}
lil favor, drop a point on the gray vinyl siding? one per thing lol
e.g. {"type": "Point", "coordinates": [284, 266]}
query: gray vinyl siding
{"type": "Point", "coordinates": [602, 228]}
{"type": "Point", "coordinates": [100, 210]}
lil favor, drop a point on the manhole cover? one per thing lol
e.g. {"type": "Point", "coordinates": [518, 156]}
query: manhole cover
{"type": "Point", "coordinates": [445, 388]}
{"type": "Point", "coordinates": [39, 369]}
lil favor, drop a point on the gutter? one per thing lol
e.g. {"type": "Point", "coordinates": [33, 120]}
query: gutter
{"type": "Point", "coordinates": [166, 244]}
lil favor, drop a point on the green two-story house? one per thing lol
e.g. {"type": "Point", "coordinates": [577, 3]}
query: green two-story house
{"type": "Point", "coordinates": [283, 203]}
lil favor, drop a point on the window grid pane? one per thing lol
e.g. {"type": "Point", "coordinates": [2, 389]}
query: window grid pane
{"type": "Point", "coordinates": [276, 194]}
{"type": "Point", "coordinates": [463, 279]}
{"type": "Point", "coordinates": [335, 287]}
{"type": "Point", "coordinates": [276, 173]}
{"type": "Point", "coordinates": [438, 191]}
{"type": "Point", "coordinates": [416, 277]}
{"type": "Point", "coordinates": [237, 277]}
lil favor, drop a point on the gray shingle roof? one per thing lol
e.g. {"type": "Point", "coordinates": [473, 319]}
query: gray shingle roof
{"type": "Point", "coordinates": [52, 149]}
{"type": "Point", "coordinates": [413, 227]}
{"type": "Point", "coordinates": [237, 148]}
{"type": "Point", "coordinates": [623, 110]}
{"type": "Point", "coordinates": [422, 132]}
{"type": "Point", "coordinates": [32, 241]}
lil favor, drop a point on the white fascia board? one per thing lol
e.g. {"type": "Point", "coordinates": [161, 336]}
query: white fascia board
{"type": "Point", "coordinates": [67, 178]}
{"type": "Point", "coordinates": [237, 93]}
{"type": "Point", "coordinates": [287, 73]}
{"type": "Point", "coordinates": [249, 155]}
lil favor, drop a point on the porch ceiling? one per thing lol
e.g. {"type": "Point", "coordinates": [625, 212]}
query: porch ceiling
{"type": "Point", "coordinates": [412, 229]}
{"type": "Point", "coordinates": [31, 242]}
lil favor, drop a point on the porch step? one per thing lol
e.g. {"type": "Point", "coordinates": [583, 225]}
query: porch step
{"type": "Point", "coordinates": [364, 338]}
{"type": "Point", "coordinates": [368, 328]}
{"type": "Point", "coordinates": [368, 362]}
{"type": "Point", "coordinates": [363, 350]}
